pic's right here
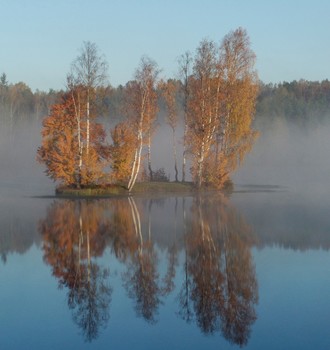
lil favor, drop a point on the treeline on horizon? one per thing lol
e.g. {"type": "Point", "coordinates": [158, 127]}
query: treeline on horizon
{"type": "Point", "coordinates": [301, 102]}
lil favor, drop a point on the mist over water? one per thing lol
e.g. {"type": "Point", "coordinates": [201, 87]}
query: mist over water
{"type": "Point", "coordinates": [297, 158]}
{"type": "Point", "coordinates": [20, 174]}
{"type": "Point", "coordinates": [285, 155]}
{"type": "Point", "coordinates": [162, 151]}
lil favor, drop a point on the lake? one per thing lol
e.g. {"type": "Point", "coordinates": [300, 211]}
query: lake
{"type": "Point", "coordinates": [248, 270]}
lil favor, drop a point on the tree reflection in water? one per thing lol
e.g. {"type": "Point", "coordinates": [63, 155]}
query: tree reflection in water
{"type": "Point", "coordinates": [220, 275]}
{"type": "Point", "coordinates": [73, 234]}
{"type": "Point", "coordinates": [219, 288]}
{"type": "Point", "coordinates": [141, 278]}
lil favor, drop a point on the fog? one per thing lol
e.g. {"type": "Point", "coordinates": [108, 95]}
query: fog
{"type": "Point", "coordinates": [289, 160]}
{"type": "Point", "coordinates": [286, 155]}
{"type": "Point", "coordinates": [295, 158]}
{"type": "Point", "coordinates": [20, 174]}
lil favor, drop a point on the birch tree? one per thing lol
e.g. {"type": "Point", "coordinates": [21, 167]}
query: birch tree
{"type": "Point", "coordinates": [169, 90]}
{"type": "Point", "coordinates": [141, 101]}
{"type": "Point", "coordinates": [59, 150]}
{"type": "Point", "coordinates": [89, 70]}
{"type": "Point", "coordinates": [185, 62]}
{"type": "Point", "coordinates": [235, 135]}
{"type": "Point", "coordinates": [203, 106]}
{"type": "Point", "coordinates": [122, 151]}
{"type": "Point", "coordinates": [220, 108]}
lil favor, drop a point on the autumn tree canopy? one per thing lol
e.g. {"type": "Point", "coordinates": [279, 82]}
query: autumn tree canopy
{"type": "Point", "coordinates": [73, 142]}
{"type": "Point", "coordinates": [135, 132]}
{"type": "Point", "coordinates": [220, 107]}
{"type": "Point", "coordinates": [214, 102]}
{"type": "Point", "coordinates": [60, 148]}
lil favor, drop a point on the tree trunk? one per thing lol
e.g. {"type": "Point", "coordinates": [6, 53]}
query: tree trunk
{"type": "Point", "coordinates": [133, 169]}
{"type": "Point", "coordinates": [200, 164]}
{"type": "Point", "coordinates": [199, 173]}
{"type": "Point", "coordinates": [137, 159]}
{"type": "Point", "coordinates": [184, 150]}
{"type": "Point", "coordinates": [80, 144]}
{"type": "Point", "coordinates": [136, 163]}
{"type": "Point", "coordinates": [149, 157]}
{"type": "Point", "coordinates": [87, 123]}
{"type": "Point", "coordinates": [175, 156]}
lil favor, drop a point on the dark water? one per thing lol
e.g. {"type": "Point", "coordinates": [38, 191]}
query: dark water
{"type": "Point", "coordinates": [203, 272]}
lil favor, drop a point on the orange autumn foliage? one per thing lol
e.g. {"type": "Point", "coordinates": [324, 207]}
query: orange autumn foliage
{"type": "Point", "coordinates": [122, 151]}
{"type": "Point", "coordinates": [221, 104]}
{"type": "Point", "coordinates": [59, 150]}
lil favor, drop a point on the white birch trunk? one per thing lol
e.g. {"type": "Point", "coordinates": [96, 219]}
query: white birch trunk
{"type": "Point", "coordinates": [149, 156]}
{"type": "Point", "coordinates": [137, 159]}
{"type": "Point", "coordinates": [80, 144]}
{"type": "Point", "coordinates": [133, 169]}
{"type": "Point", "coordinates": [175, 155]}
{"type": "Point", "coordinates": [87, 126]}
{"type": "Point", "coordinates": [137, 167]}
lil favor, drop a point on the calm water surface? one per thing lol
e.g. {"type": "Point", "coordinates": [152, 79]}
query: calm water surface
{"type": "Point", "coordinates": [203, 272]}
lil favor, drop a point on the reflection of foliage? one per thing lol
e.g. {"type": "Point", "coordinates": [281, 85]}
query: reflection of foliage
{"type": "Point", "coordinates": [141, 283]}
{"type": "Point", "coordinates": [241, 285]}
{"type": "Point", "coordinates": [72, 233]}
{"type": "Point", "coordinates": [220, 277]}
{"type": "Point", "coordinates": [141, 278]}
{"type": "Point", "coordinates": [90, 301]}
{"type": "Point", "coordinates": [170, 274]}
{"type": "Point", "coordinates": [219, 290]}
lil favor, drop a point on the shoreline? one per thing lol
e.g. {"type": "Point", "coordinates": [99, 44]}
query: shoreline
{"type": "Point", "coordinates": [141, 188]}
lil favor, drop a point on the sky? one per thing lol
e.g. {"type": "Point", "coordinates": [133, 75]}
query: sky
{"type": "Point", "coordinates": [39, 39]}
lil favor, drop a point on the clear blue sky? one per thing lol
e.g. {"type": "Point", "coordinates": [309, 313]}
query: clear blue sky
{"type": "Point", "coordinates": [40, 38]}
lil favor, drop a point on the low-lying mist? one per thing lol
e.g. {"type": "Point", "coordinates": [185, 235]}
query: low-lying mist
{"type": "Point", "coordinates": [20, 174]}
{"type": "Point", "coordinates": [297, 158]}
{"type": "Point", "coordinates": [285, 155]}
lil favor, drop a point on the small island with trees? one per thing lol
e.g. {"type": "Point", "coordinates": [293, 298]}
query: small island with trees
{"type": "Point", "coordinates": [213, 102]}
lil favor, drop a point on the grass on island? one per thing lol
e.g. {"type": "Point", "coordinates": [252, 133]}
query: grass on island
{"type": "Point", "coordinates": [154, 187]}
{"type": "Point", "coordinates": [119, 190]}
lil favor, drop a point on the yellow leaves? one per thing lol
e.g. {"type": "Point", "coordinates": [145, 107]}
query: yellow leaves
{"type": "Point", "coordinates": [62, 150]}
{"type": "Point", "coordinates": [58, 144]}
{"type": "Point", "coordinates": [122, 151]}
{"type": "Point", "coordinates": [221, 105]}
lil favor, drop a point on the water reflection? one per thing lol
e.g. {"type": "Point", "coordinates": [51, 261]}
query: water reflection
{"type": "Point", "coordinates": [142, 279]}
{"type": "Point", "coordinates": [73, 236]}
{"type": "Point", "coordinates": [205, 240]}
{"type": "Point", "coordinates": [133, 243]}
{"type": "Point", "coordinates": [220, 287]}
{"type": "Point", "coordinates": [18, 230]}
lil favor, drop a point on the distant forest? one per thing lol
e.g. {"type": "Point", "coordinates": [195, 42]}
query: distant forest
{"type": "Point", "coordinates": [301, 102]}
